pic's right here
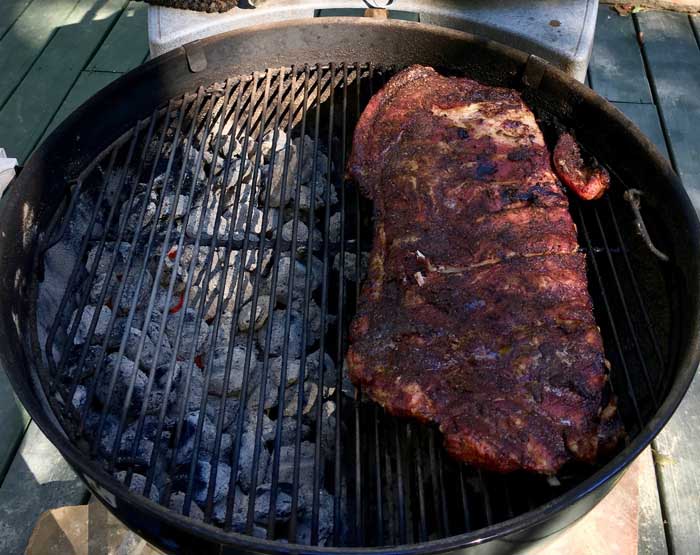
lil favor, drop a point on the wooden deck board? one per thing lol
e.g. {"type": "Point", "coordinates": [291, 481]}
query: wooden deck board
{"type": "Point", "coordinates": [127, 44]}
{"type": "Point", "coordinates": [674, 62]}
{"type": "Point", "coordinates": [29, 111]}
{"type": "Point", "coordinates": [616, 69]}
{"type": "Point", "coordinates": [13, 422]}
{"type": "Point", "coordinates": [646, 116]}
{"type": "Point", "coordinates": [88, 83]}
{"type": "Point", "coordinates": [10, 10]}
{"type": "Point", "coordinates": [25, 40]}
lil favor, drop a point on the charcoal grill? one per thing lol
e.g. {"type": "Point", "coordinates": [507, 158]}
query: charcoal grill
{"type": "Point", "coordinates": [133, 167]}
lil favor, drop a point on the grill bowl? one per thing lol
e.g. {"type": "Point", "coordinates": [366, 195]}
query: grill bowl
{"type": "Point", "coordinates": [668, 293]}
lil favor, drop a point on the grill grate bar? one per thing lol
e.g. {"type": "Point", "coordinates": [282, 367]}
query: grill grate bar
{"type": "Point", "coordinates": [635, 285]}
{"type": "Point", "coordinates": [307, 293]}
{"type": "Point", "coordinates": [626, 311]}
{"type": "Point", "coordinates": [618, 345]}
{"type": "Point", "coordinates": [386, 481]}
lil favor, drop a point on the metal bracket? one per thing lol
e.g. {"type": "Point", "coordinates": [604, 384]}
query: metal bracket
{"type": "Point", "coordinates": [196, 59]}
{"type": "Point", "coordinates": [534, 71]}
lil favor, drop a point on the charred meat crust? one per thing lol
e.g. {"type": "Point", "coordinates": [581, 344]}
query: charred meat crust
{"type": "Point", "coordinates": [588, 181]}
{"type": "Point", "coordinates": [475, 314]}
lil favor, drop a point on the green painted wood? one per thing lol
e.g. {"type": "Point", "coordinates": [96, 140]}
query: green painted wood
{"type": "Point", "coordinates": [646, 116]}
{"type": "Point", "coordinates": [127, 43]}
{"type": "Point", "coordinates": [673, 59]}
{"type": "Point", "coordinates": [88, 84]}
{"type": "Point", "coordinates": [10, 10]}
{"type": "Point", "coordinates": [617, 69]}
{"type": "Point", "coordinates": [38, 480]}
{"type": "Point", "coordinates": [30, 109]}
{"type": "Point", "coordinates": [13, 422]}
{"type": "Point", "coordinates": [27, 38]}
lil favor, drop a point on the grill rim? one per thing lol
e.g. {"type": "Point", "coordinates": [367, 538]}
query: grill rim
{"type": "Point", "coordinates": [39, 176]}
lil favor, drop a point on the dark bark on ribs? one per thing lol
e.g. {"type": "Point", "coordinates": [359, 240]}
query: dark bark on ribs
{"type": "Point", "coordinates": [475, 314]}
{"type": "Point", "coordinates": [588, 181]}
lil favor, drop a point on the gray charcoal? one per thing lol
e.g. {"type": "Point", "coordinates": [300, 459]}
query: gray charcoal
{"type": "Point", "coordinates": [308, 154]}
{"type": "Point", "coordinates": [237, 193]}
{"type": "Point", "coordinates": [275, 371]}
{"type": "Point", "coordinates": [270, 143]}
{"type": "Point", "coordinates": [206, 218]}
{"type": "Point", "coordinates": [142, 454]}
{"type": "Point", "coordinates": [306, 463]}
{"type": "Point", "coordinates": [291, 399]}
{"type": "Point", "coordinates": [194, 337]}
{"type": "Point", "coordinates": [125, 370]}
{"type": "Point", "coordinates": [328, 427]}
{"type": "Point", "coordinates": [230, 410]}
{"type": "Point", "coordinates": [282, 158]}
{"type": "Point", "coordinates": [334, 227]}
{"type": "Point", "coordinates": [138, 485]}
{"type": "Point", "coordinates": [79, 398]}
{"type": "Point", "coordinates": [279, 335]}
{"type": "Point", "coordinates": [273, 215]}
{"type": "Point", "coordinates": [325, 522]}
{"type": "Point", "coordinates": [282, 509]}
{"type": "Point", "coordinates": [302, 235]}
{"type": "Point", "coordinates": [262, 311]}
{"type": "Point", "coordinates": [202, 477]}
{"type": "Point", "coordinates": [86, 317]}
{"type": "Point", "coordinates": [129, 218]}
{"type": "Point", "coordinates": [283, 270]}
{"type": "Point", "coordinates": [246, 459]}
{"type": "Point", "coordinates": [169, 203]}
{"type": "Point", "coordinates": [194, 395]}
{"type": "Point", "coordinates": [148, 350]}
{"type": "Point", "coordinates": [350, 260]}
{"type": "Point", "coordinates": [177, 504]}
{"type": "Point", "coordinates": [207, 439]}
{"type": "Point", "coordinates": [288, 435]}
{"type": "Point", "coordinates": [239, 512]}
{"type": "Point", "coordinates": [312, 366]}
{"type": "Point", "coordinates": [246, 219]}
{"type": "Point", "coordinates": [217, 371]}
{"type": "Point", "coordinates": [313, 319]}
{"type": "Point", "coordinates": [131, 292]}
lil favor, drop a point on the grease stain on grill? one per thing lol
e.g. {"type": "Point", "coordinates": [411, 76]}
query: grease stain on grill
{"type": "Point", "coordinates": [194, 314]}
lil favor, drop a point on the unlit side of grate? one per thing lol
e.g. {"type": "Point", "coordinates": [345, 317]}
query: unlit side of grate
{"type": "Point", "coordinates": [195, 351]}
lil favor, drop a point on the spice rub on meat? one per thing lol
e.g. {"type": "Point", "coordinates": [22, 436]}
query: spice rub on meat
{"type": "Point", "coordinates": [475, 314]}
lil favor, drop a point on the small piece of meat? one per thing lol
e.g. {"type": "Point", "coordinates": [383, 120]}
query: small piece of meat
{"type": "Point", "coordinates": [588, 181]}
{"type": "Point", "coordinates": [475, 314]}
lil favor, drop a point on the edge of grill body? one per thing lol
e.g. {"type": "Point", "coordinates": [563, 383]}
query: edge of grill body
{"type": "Point", "coordinates": [28, 206]}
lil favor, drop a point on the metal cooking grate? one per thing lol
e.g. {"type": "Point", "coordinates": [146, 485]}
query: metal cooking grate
{"type": "Point", "coordinates": [172, 234]}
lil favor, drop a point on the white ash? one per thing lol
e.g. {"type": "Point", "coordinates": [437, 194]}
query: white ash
{"type": "Point", "coordinates": [147, 343]}
{"type": "Point", "coordinates": [81, 334]}
{"type": "Point", "coordinates": [138, 485]}
{"type": "Point", "coordinates": [262, 311]}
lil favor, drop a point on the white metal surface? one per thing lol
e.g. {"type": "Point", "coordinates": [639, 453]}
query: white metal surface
{"type": "Point", "coordinates": [560, 31]}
